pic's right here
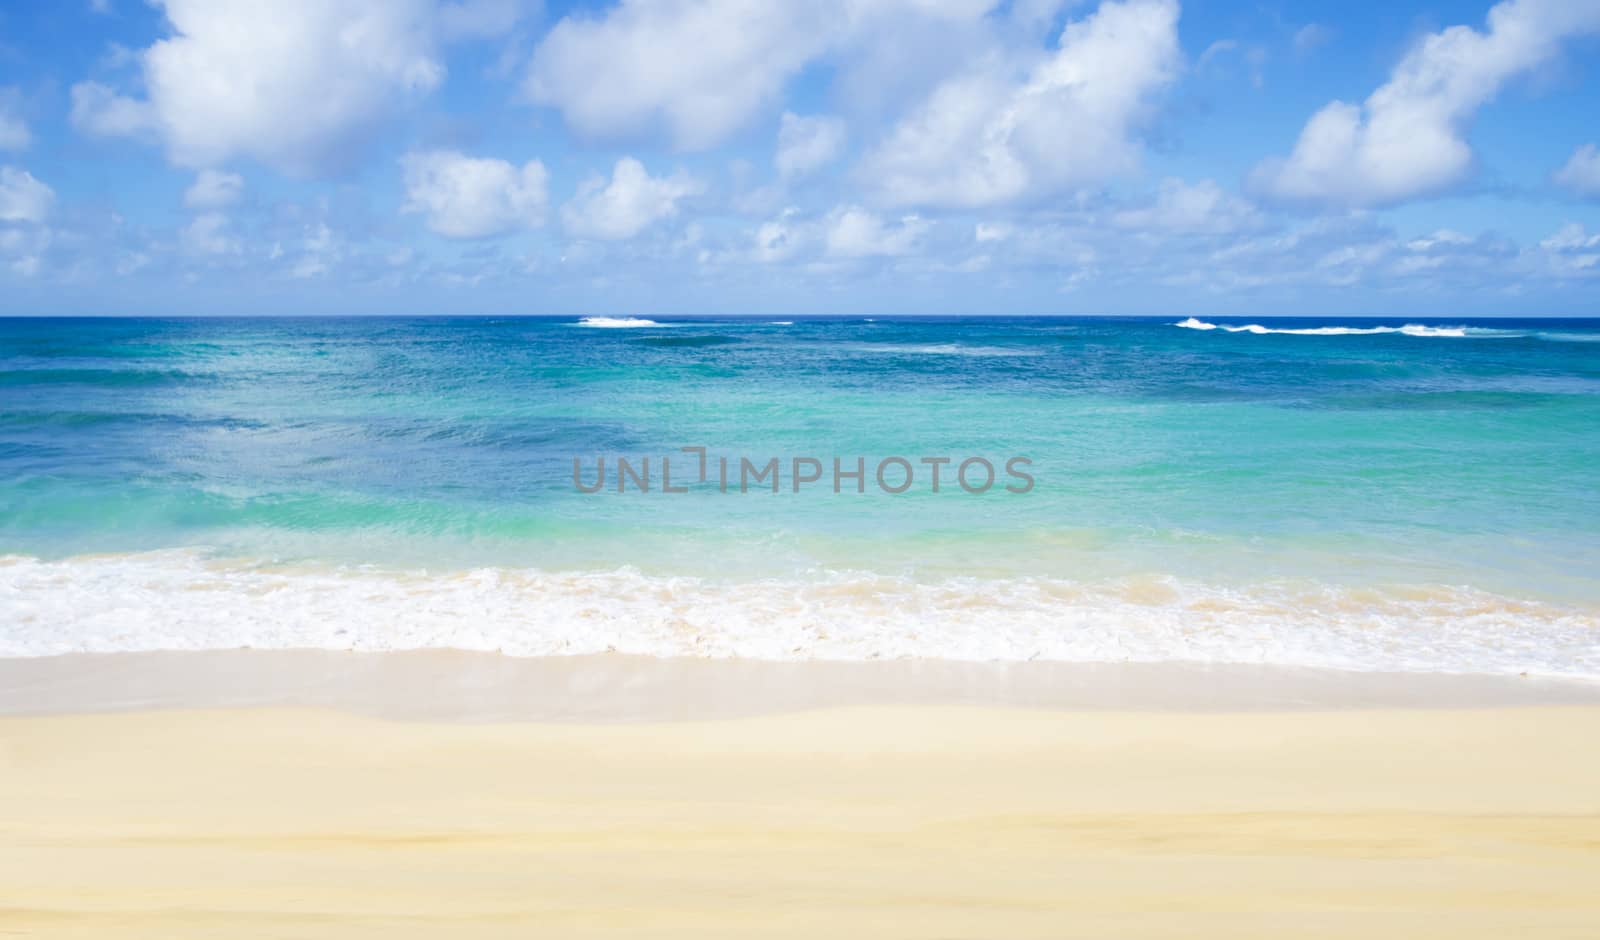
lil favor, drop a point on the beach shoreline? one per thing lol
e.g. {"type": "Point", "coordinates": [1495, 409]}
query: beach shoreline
{"type": "Point", "coordinates": [442, 684]}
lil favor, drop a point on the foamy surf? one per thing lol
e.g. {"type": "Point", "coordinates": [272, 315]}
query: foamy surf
{"type": "Point", "coordinates": [182, 600]}
{"type": "Point", "coordinates": [1410, 329]}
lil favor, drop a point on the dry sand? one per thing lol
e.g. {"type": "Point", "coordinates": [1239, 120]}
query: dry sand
{"type": "Point", "coordinates": [921, 821]}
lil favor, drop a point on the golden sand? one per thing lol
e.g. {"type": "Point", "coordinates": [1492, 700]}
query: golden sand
{"type": "Point", "coordinates": [915, 821]}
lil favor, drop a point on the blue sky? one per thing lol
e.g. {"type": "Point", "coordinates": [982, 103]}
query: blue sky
{"type": "Point", "coordinates": [832, 156]}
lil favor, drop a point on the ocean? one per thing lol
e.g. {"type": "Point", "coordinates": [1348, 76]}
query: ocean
{"type": "Point", "coordinates": [1377, 495]}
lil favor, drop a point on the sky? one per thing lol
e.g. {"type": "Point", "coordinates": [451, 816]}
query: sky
{"type": "Point", "coordinates": [696, 157]}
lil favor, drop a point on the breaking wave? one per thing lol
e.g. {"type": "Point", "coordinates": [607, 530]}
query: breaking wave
{"type": "Point", "coordinates": [184, 600]}
{"type": "Point", "coordinates": [1410, 329]}
{"type": "Point", "coordinates": [616, 323]}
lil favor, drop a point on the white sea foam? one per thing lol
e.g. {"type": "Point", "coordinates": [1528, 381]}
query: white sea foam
{"type": "Point", "coordinates": [616, 323]}
{"type": "Point", "coordinates": [184, 600]}
{"type": "Point", "coordinates": [1410, 329]}
{"type": "Point", "coordinates": [939, 349]}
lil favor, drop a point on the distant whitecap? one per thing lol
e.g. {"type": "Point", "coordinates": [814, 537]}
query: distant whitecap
{"type": "Point", "coordinates": [1410, 329]}
{"type": "Point", "coordinates": [616, 323]}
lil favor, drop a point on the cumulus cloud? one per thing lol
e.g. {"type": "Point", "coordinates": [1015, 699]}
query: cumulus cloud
{"type": "Point", "coordinates": [698, 70]}
{"type": "Point", "coordinates": [213, 189]}
{"type": "Point", "coordinates": [989, 136]}
{"type": "Point", "coordinates": [1581, 174]}
{"type": "Point", "coordinates": [14, 134]}
{"type": "Point", "coordinates": [209, 234]}
{"type": "Point", "coordinates": [847, 232]}
{"type": "Point", "coordinates": [806, 144]}
{"type": "Point", "coordinates": [474, 197]}
{"type": "Point", "coordinates": [626, 205]}
{"type": "Point", "coordinates": [295, 84]}
{"type": "Point", "coordinates": [779, 239]}
{"type": "Point", "coordinates": [23, 198]}
{"type": "Point", "coordinates": [1185, 208]}
{"type": "Point", "coordinates": [853, 232]}
{"type": "Point", "coordinates": [1409, 138]}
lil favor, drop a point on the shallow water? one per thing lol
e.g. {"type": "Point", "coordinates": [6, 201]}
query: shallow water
{"type": "Point", "coordinates": [1314, 492]}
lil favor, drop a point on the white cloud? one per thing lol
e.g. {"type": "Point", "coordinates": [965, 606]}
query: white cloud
{"type": "Point", "coordinates": [23, 198]}
{"type": "Point", "coordinates": [992, 232]}
{"type": "Point", "coordinates": [628, 204]}
{"type": "Point", "coordinates": [321, 250]}
{"type": "Point", "coordinates": [129, 262]}
{"type": "Point", "coordinates": [1220, 47]}
{"type": "Point", "coordinates": [213, 189]}
{"type": "Point", "coordinates": [988, 136]}
{"type": "Point", "coordinates": [474, 197]}
{"type": "Point", "coordinates": [24, 249]}
{"type": "Point", "coordinates": [295, 84]}
{"type": "Point", "coordinates": [1572, 251]}
{"type": "Point", "coordinates": [847, 232]}
{"type": "Point", "coordinates": [853, 232]}
{"type": "Point", "coordinates": [14, 134]}
{"type": "Point", "coordinates": [1571, 237]}
{"type": "Point", "coordinates": [806, 144]}
{"type": "Point", "coordinates": [779, 239]}
{"type": "Point", "coordinates": [1310, 36]}
{"type": "Point", "coordinates": [1036, 13]}
{"type": "Point", "coordinates": [480, 19]}
{"type": "Point", "coordinates": [1581, 174]}
{"type": "Point", "coordinates": [1200, 208]}
{"type": "Point", "coordinates": [1442, 237]}
{"type": "Point", "coordinates": [99, 111]}
{"type": "Point", "coordinates": [1408, 139]}
{"type": "Point", "coordinates": [698, 70]}
{"type": "Point", "coordinates": [209, 234]}
{"type": "Point", "coordinates": [1253, 57]}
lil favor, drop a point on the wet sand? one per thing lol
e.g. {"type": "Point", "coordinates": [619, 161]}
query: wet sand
{"type": "Point", "coordinates": [459, 685]}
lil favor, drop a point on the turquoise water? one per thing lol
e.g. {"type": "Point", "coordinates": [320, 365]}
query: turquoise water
{"type": "Point", "coordinates": [1315, 492]}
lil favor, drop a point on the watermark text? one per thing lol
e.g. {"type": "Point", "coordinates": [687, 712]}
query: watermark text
{"type": "Point", "coordinates": [697, 468]}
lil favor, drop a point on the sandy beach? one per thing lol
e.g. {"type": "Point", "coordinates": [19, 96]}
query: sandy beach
{"type": "Point", "coordinates": [885, 820]}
